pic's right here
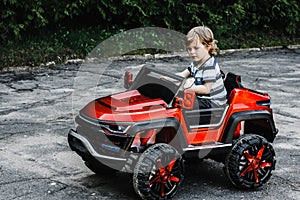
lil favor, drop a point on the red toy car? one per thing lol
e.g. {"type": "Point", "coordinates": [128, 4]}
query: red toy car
{"type": "Point", "coordinates": [150, 129]}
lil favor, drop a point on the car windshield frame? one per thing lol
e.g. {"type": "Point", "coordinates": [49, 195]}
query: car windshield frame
{"type": "Point", "coordinates": [151, 75]}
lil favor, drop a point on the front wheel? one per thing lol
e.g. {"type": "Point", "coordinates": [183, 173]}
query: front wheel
{"type": "Point", "coordinates": [158, 173]}
{"type": "Point", "coordinates": [250, 162]}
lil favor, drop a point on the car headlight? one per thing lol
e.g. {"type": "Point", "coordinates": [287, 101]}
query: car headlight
{"type": "Point", "coordinates": [116, 128]}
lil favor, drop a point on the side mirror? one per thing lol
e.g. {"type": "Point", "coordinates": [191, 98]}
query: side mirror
{"type": "Point", "coordinates": [127, 79]}
{"type": "Point", "coordinates": [188, 99]}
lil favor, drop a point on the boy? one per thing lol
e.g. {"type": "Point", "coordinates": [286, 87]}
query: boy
{"type": "Point", "coordinates": [204, 75]}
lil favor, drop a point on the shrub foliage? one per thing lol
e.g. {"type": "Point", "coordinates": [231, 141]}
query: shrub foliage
{"type": "Point", "coordinates": [225, 17]}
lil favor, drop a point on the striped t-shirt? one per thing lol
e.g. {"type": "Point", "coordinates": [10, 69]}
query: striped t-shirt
{"type": "Point", "coordinates": [210, 72]}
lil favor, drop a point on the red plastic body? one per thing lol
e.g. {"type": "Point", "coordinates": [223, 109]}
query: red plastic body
{"type": "Point", "coordinates": [131, 106]}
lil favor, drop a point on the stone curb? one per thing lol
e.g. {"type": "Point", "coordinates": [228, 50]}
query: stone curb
{"type": "Point", "coordinates": [182, 54]}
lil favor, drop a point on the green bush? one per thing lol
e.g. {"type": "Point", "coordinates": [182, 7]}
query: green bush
{"type": "Point", "coordinates": [40, 30]}
{"type": "Point", "coordinates": [225, 17]}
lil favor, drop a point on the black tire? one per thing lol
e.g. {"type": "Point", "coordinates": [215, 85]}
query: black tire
{"type": "Point", "coordinates": [158, 173]}
{"type": "Point", "coordinates": [97, 167]}
{"type": "Point", "coordinates": [250, 162]}
{"type": "Point", "coordinates": [131, 162]}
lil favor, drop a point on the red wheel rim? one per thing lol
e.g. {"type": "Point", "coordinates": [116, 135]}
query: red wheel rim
{"type": "Point", "coordinates": [164, 178]}
{"type": "Point", "coordinates": [255, 164]}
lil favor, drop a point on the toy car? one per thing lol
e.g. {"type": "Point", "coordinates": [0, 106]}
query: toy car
{"type": "Point", "coordinates": [152, 127]}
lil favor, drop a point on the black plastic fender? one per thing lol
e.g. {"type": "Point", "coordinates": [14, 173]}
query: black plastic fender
{"type": "Point", "coordinates": [252, 116]}
{"type": "Point", "coordinates": [161, 123]}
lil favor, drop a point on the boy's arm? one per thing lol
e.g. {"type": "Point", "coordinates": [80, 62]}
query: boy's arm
{"type": "Point", "coordinates": [199, 89]}
{"type": "Point", "coordinates": [185, 73]}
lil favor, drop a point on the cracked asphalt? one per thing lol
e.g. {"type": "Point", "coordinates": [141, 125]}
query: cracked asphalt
{"type": "Point", "coordinates": [36, 115]}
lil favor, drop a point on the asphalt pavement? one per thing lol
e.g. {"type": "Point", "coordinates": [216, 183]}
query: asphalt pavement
{"type": "Point", "coordinates": [38, 107]}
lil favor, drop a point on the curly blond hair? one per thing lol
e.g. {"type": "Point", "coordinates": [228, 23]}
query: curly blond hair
{"type": "Point", "coordinates": [205, 36]}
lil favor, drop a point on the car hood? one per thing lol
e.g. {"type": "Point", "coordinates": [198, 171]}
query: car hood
{"type": "Point", "coordinates": [124, 105]}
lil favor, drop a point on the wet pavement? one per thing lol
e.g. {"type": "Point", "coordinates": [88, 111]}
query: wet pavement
{"type": "Point", "coordinates": [36, 113]}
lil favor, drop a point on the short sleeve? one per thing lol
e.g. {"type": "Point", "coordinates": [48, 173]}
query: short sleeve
{"type": "Point", "coordinates": [209, 71]}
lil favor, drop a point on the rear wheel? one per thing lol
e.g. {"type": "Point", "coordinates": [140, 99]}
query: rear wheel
{"type": "Point", "coordinates": [250, 162]}
{"type": "Point", "coordinates": [158, 173]}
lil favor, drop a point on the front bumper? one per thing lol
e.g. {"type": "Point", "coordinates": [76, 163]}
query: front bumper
{"type": "Point", "coordinates": [83, 147]}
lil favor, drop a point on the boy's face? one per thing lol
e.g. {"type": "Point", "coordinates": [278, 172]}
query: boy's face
{"type": "Point", "coordinates": [197, 51]}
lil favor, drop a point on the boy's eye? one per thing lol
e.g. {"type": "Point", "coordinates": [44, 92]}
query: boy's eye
{"type": "Point", "coordinates": [191, 48]}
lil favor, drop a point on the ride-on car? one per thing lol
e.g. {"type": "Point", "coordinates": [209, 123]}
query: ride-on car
{"type": "Point", "coordinates": [150, 129]}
